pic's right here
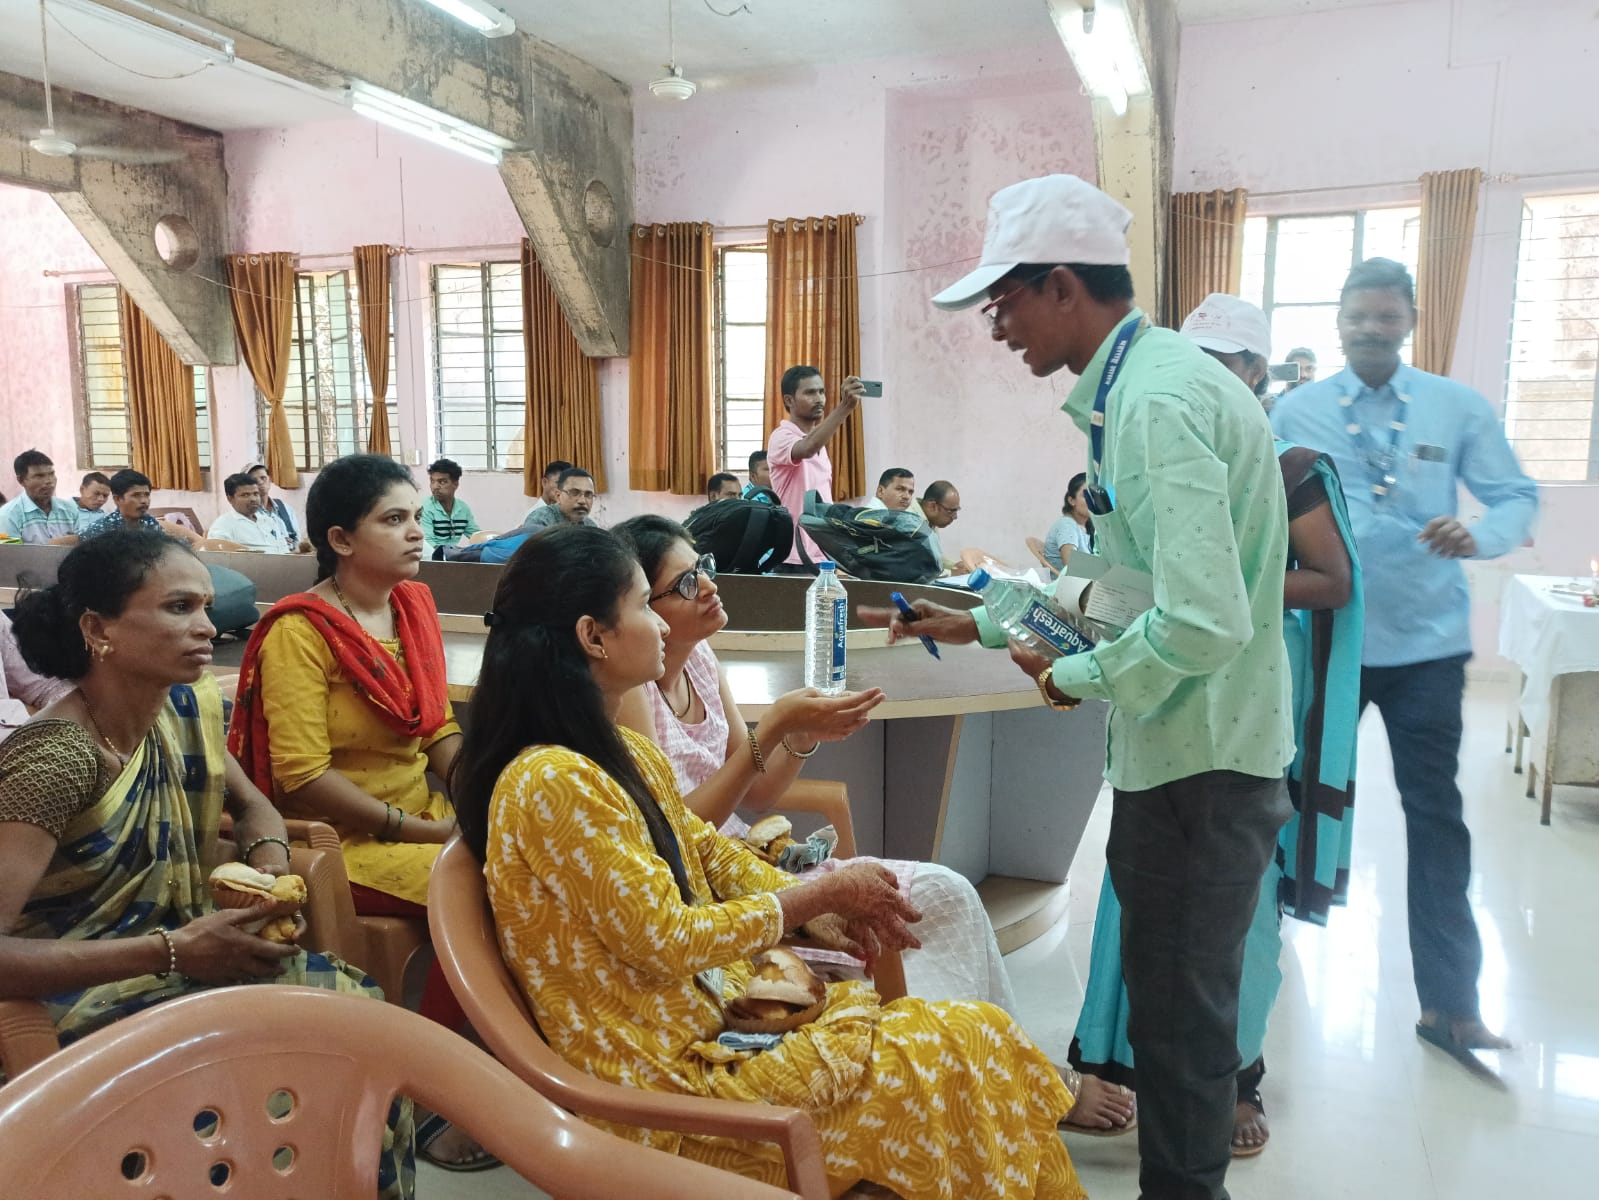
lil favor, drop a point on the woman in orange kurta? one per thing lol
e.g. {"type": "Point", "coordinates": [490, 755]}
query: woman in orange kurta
{"type": "Point", "coordinates": [629, 921]}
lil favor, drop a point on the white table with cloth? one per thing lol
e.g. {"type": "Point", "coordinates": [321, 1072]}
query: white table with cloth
{"type": "Point", "coordinates": [1545, 629]}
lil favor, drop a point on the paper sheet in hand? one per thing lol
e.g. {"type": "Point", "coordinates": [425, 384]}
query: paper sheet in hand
{"type": "Point", "coordinates": [1120, 595]}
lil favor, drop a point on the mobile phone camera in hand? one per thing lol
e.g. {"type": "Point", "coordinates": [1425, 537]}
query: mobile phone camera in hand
{"type": "Point", "coordinates": [871, 387]}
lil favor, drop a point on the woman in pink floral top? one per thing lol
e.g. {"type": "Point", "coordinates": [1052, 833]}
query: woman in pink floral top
{"type": "Point", "coordinates": [690, 713]}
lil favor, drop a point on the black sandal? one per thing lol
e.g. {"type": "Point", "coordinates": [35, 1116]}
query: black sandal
{"type": "Point", "coordinates": [1249, 1093]}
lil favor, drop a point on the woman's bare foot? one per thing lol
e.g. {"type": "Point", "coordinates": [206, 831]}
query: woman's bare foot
{"type": "Point", "coordinates": [1250, 1133]}
{"type": "Point", "coordinates": [1101, 1107]}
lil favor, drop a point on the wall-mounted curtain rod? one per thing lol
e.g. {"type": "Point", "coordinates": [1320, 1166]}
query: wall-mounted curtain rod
{"type": "Point", "coordinates": [1504, 177]}
{"type": "Point", "coordinates": [88, 273]}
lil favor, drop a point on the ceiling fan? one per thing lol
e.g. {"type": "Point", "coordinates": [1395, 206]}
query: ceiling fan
{"type": "Point", "coordinates": [55, 141]}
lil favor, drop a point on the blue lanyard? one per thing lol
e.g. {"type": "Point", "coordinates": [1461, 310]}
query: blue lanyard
{"type": "Point", "coordinates": [1107, 380]}
{"type": "Point", "coordinates": [1383, 459]}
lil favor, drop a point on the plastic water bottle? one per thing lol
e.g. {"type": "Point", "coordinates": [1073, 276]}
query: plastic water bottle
{"type": "Point", "coordinates": [1025, 613]}
{"type": "Point", "coordinates": [826, 619]}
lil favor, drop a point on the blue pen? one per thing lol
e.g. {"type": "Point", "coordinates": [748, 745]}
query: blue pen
{"type": "Point", "coordinates": [909, 614]}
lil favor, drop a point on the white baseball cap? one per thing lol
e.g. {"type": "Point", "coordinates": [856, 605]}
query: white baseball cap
{"type": "Point", "coordinates": [1228, 324]}
{"type": "Point", "coordinates": [1053, 219]}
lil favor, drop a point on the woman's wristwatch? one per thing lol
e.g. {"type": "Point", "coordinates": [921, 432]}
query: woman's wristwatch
{"type": "Point", "coordinates": [1066, 705]}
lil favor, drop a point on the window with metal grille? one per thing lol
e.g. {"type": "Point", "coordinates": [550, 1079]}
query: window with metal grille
{"type": "Point", "coordinates": [327, 397]}
{"type": "Point", "coordinates": [107, 443]}
{"type": "Point", "coordinates": [1294, 268]}
{"type": "Point", "coordinates": [479, 364]}
{"type": "Point", "coordinates": [1551, 381]}
{"type": "Point", "coordinates": [740, 355]}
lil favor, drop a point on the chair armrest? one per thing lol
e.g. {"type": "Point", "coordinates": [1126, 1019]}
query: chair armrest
{"type": "Point", "coordinates": [27, 1037]}
{"type": "Point", "coordinates": [829, 799]}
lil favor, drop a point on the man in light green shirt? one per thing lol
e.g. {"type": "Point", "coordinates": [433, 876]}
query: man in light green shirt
{"type": "Point", "coordinates": [1184, 485]}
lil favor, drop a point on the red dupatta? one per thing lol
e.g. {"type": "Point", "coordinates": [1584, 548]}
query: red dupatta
{"type": "Point", "coordinates": [412, 700]}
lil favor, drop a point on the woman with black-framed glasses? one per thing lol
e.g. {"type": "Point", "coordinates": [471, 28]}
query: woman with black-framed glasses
{"type": "Point", "coordinates": [691, 714]}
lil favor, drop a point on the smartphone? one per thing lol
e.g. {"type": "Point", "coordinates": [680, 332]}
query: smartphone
{"type": "Point", "coordinates": [874, 387]}
{"type": "Point", "coordinates": [1287, 372]}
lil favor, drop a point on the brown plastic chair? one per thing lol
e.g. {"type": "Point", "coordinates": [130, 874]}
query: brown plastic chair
{"type": "Point", "coordinates": [291, 1087]}
{"type": "Point", "coordinates": [28, 1037]}
{"type": "Point", "coordinates": [463, 936]}
{"type": "Point", "coordinates": [381, 946]}
{"type": "Point", "coordinates": [971, 558]}
{"type": "Point", "coordinates": [1036, 545]}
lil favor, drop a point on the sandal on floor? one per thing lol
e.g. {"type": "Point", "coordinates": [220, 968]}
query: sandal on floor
{"type": "Point", "coordinates": [1252, 1098]}
{"type": "Point", "coordinates": [1074, 1084]}
{"type": "Point", "coordinates": [430, 1130]}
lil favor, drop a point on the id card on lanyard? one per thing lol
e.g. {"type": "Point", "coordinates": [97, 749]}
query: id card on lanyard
{"type": "Point", "coordinates": [1102, 498]}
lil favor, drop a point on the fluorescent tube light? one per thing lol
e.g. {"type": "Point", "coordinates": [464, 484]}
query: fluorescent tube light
{"type": "Point", "coordinates": [427, 123]}
{"type": "Point", "coordinates": [158, 25]}
{"type": "Point", "coordinates": [479, 15]}
{"type": "Point", "coordinates": [1099, 36]}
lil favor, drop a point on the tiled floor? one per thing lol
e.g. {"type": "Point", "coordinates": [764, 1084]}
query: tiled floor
{"type": "Point", "coordinates": [1358, 1106]}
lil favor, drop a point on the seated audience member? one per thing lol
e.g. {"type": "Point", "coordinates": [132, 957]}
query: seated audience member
{"type": "Point", "coordinates": [343, 709]}
{"type": "Point", "coordinates": [446, 520]}
{"type": "Point", "coordinates": [93, 492]}
{"type": "Point", "coordinates": [941, 505]}
{"type": "Point", "coordinates": [248, 525]}
{"type": "Point", "coordinates": [22, 690]}
{"type": "Point", "coordinates": [587, 846]}
{"type": "Point", "coordinates": [691, 714]}
{"type": "Point", "coordinates": [280, 510]}
{"type": "Point", "coordinates": [37, 515]}
{"type": "Point", "coordinates": [760, 485]}
{"type": "Point", "coordinates": [1074, 529]}
{"type": "Point", "coordinates": [110, 803]}
{"type": "Point", "coordinates": [574, 501]}
{"type": "Point", "coordinates": [550, 483]}
{"type": "Point", "coordinates": [130, 494]}
{"type": "Point", "coordinates": [721, 486]}
{"type": "Point", "coordinates": [896, 488]}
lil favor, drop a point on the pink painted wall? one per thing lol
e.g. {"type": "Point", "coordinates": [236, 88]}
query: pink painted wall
{"type": "Point", "coordinates": [917, 147]}
{"type": "Point", "coordinates": [967, 410]}
{"type": "Point", "coordinates": [1392, 91]}
{"type": "Point", "coordinates": [36, 381]}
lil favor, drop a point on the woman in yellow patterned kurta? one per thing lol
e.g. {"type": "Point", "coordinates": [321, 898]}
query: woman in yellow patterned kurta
{"type": "Point", "coordinates": [627, 919]}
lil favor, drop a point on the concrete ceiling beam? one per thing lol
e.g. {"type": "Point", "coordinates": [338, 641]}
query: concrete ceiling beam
{"type": "Point", "coordinates": [117, 206]}
{"type": "Point", "coordinates": [570, 172]}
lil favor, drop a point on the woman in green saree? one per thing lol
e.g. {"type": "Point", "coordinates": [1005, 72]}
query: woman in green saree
{"type": "Point", "coordinates": [110, 803]}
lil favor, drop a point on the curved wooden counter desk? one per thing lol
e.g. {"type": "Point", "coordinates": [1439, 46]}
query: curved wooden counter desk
{"type": "Point", "coordinates": [964, 766]}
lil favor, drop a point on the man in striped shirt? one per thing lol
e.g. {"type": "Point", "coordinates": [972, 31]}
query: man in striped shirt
{"type": "Point", "coordinates": [446, 520]}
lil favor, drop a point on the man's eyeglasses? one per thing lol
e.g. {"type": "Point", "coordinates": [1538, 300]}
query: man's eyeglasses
{"type": "Point", "coordinates": [577, 494]}
{"type": "Point", "coordinates": [990, 312]}
{"type": "Point", "coordinates": [954, 512]}
{"type": "Point", "coordinates": [687, 585]}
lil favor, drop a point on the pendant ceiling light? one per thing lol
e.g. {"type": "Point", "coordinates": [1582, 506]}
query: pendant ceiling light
{"type": "Point", "coordinates": [672, 85]}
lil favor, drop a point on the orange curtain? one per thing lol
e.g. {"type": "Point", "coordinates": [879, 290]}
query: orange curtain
{"type": "Point", "coordinates": [1204, 249]}
{"type": "Point", "coordinates": [669, 375]}
{"type": "Point", "coordinates": [563, 385]}
{"type": "Point", "coordinates": [372, 282]}
{"type": "Point", "coordinates": [160, 403]}
{"type": "Point", "coordinates": [1448, 222]}
{"type": "Point", "coordinates": [813, 317]}
{"type": "Point", "coordinates": [261, 288]}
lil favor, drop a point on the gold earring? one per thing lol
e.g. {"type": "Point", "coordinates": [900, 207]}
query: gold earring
{"type": "Point", "coordinates": [603, 654]}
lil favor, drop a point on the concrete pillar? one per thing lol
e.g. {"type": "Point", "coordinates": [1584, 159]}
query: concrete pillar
{"type": "Point", "coordinates": [116, 206]}
{"type": "Point", "coordinates": [570, 174]}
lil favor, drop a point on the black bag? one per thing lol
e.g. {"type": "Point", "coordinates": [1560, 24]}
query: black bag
{"type": "Point", "coordinates": [884, 544]}
{"type": "Point", "coordinates": [233, 606]}
{"type": "Point", "coordinates": [747, 536]}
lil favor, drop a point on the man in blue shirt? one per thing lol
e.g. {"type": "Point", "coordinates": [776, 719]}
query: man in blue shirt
{"type": "Point", "coordinates": [1404, 441]}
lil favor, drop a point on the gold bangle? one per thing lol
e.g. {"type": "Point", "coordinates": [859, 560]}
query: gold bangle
{"type": "Point", "coordinates": [755, 749]}
{"type": "Point", "coordinates": [795, 753]}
